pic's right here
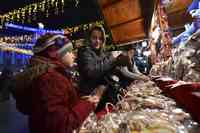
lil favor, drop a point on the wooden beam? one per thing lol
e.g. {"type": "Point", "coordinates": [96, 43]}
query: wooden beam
{"type": "Point", "coordinates": [122, 11]}
{"type": "Point", "coordinates": [127, 32]}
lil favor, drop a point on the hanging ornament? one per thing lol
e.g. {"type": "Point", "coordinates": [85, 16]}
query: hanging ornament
{"type": "Point", "coordinates": [47, 7]}
{"type": "Point", "coordinates": [76, 29]}
{"type": "Point", "coordinates": [62, 6]}
{"type": "Point", "coordinates": [2, 20]}
{"type": "Point", "coordinates": [9, 16]}
{"type": "Point", "coordinates": [35, 6]}
{"type": "Point", "coordinates": [47, 13]}
{"type": "Point", "coordinates": [43, 6]}
{"type": "Point", "coordinates": [29, 14]}
{"type": "Point", "coordinates": [12, 17]}
{"type": "Point", "coordinates": [85, 27]}
{"type": "Point", "coordinates": [52, 3]}
{"type": "Point", "coordinates": [56, 8]}
{"type": "Point", "coordinates": [76, 3]}
{"type": "Point", "coordinates": [34, 14]}
{"type": "Point", "coordinates": [6, 18]}
{"type": "Point", "coordinates": [18, 15]}
{"type": "Point", "coordinates": [29, 10]}
{"type": "Point", "coordinates": [39, 7]}
{"type": "Point", "coordinates": [23, 14]}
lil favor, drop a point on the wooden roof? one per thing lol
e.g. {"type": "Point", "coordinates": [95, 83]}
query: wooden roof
{"type": "Point", "coordinates": [128, 20]}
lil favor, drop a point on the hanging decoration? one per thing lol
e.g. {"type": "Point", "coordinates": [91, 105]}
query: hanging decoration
{"type": "Point", "coordinates": [30, 12]}
{"type": "Point", "coordinates": [81, 28]}
{"type": "Point", "coordinates": [160, 36]}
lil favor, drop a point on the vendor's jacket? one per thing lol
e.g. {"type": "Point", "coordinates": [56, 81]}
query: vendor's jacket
{"type": "Point", "coordinates": [93, 66]}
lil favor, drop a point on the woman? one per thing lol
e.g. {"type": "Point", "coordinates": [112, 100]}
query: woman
{"type": "Point", "coordinates": [94, 63]}
{"type": "Point", "coordinates": [52, 102]}
{"type": "Point", "coordinates": [96, 66]}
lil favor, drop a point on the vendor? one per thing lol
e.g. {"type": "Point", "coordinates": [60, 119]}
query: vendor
{"type": "Point", "coordinates": [96, 66]}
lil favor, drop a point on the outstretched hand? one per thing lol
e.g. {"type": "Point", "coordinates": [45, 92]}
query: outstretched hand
{"type": "Point", "coordinates": [96, 95]}
{"type": "Point", "coordinates": [115, 54]}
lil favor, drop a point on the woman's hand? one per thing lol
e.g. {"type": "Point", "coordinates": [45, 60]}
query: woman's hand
{"type": "Point", "coordinates": [115, 54]}
{"type": "Point", "coordinates": [96, 95]}
{"type": "Point", "coordinates": [94, 99]}
{"type": "Point", "coordinates": [145, 78]}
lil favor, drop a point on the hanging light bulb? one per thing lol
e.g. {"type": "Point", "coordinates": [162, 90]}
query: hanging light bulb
{"type": "Point", "coordinates": [34, 11]}
{"type": "Point", "coordinates": [43, 6]}
{"type": "Point", "coordinates": [35, 7]}
{"type": "Point", "coordinates": [29, 10]}
{"type": "Point", "coordinates": [2, 20]}
{"type": "Point", "coordinates": [62, 6]}
{"type": "Point", "coordinates": [76, 3]}
{"type": "Point", "coordinates": [6, 18]}
{"type": "Point", "coordinates": [23, 14]}
{"type": "Point", "coordinates": [47, 7]}
{"type": "Point", "coordinates": [56, 7]}
{"type": "Point", "coordinates": [47, 13]}
{"type": "Point", "coordinates": [52, 3]}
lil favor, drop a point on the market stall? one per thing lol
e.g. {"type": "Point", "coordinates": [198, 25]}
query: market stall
{"type": "Point", "coordinates": [154, 29]}
{"type": "Point", "coordinates": [168, 103]}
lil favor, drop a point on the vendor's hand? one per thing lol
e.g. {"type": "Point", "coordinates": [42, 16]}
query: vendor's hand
{"type": "Point", "coordinates": [99, 90]}
{"type": "Point", "coordinates": [96, 94]}
{"type": "Point", "coordinates": [115, 54]}
{"type": "Point", "coordinates": [93, 99]}
{"type": "Point", "coordinates": [145, 78]}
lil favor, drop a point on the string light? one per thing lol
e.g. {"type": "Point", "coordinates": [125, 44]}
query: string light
{"type": "Point", "coordinates": [11, 25]}
{"type": "Point", "coordinates": [32, 10]}
{"type": "Point", "coordinates": [82, 27]}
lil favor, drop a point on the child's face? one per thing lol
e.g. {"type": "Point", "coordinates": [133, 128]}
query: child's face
{"type": "Point", "coordinates": [68, 59]}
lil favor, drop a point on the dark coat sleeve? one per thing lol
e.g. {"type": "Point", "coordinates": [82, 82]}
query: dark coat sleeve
{"type": "Point", "coordinates": [93, 66]}
{"type": "Point", "coordinates": [63, 114]}
{"type": "Point", "coordinates": [124, 72]}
